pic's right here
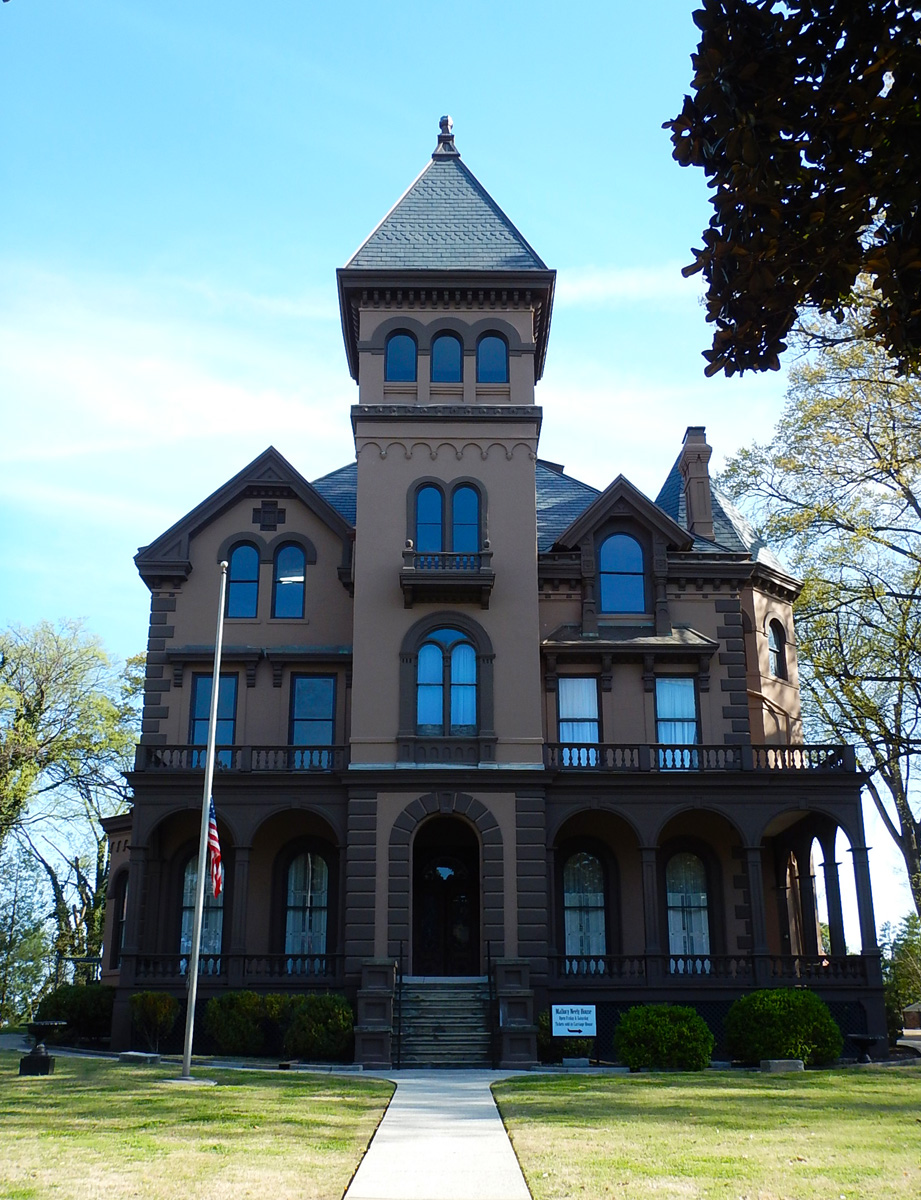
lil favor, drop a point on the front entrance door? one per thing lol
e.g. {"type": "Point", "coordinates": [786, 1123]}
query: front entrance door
{"type": "Point", "coordinates": [446, 899]}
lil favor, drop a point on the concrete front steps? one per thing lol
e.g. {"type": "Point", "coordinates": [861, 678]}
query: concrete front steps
{"type": "Point", "coordinates": [445, 1022]}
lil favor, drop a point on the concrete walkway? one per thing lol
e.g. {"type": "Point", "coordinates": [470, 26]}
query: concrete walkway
{"type": "Point", "coordinates": [441, 1139]}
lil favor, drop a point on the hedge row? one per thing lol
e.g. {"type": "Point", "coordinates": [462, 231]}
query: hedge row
{"type": "Point", "coordinates": [315, 1027]}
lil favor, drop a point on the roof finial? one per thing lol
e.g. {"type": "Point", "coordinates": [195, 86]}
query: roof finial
{"type": "Point", "coordinates": [446, 147]}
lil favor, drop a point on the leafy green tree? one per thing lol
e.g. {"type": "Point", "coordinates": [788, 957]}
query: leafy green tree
{"type": "Point", "coordinates": [25, 950]}
{"type": "Point", "coordinates": [804, 118]}
{"type": "Point", "coordinates": [68, 723]}
{"type": "Point", "coordinates": [64, 718]}
{"type": "Point", "coordinates": [838, 487]}
{"type": "Point", "coordinates": [901, 950]}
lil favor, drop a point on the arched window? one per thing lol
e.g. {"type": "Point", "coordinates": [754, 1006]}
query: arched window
{"type": "Point", "coordinates": [400, 359]}
{"type": "Point", "coordinates": [306, 913]}
{"type": "Point", "coordinates": [243, 581]}
{"type": "Point", "coordinates": [584, 906]}
{"type": "Point", "coordinates": [623, 580]}
{"type": "Point", "coordinates": [429, 520]}
{"type": "Point", "coordinates": [446, 686]}
{"type": "Point", "coordinates": [492, 359]}
{"type": "Point", "coordinates": [688, 915]}
{"type": "Point", "coordinates": [120, 912]}
{"type": "Point", "coordinates": [465, 520]}
{"type": "Point", "coordinates": [288, 580]}
{"type": "Point", "coordinates": [447, 359]}
{"type": "Point", "coordinates": [777, 650]}
{"type": "Point", "coordinates": [212, 923]}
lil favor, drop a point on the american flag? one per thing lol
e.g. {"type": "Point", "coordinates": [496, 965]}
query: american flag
{"type": "Point", "coordinates": [214, 846]}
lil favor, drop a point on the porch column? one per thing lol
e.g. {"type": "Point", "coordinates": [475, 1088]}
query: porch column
{"type": "Point", "coordinates": [807, 900]}
{"type": "Point", "coordinates": [238, 915]}
{"type": "Point", "coordinates": [648, 858]}
{"type": "Point", "coordinates": [833, 898]}
{"type": "Point", "coordinates": [137, 887]}
{"type": "Point", "coordinates": [864, 900]}
{"type": "Point", "coordinates": [758, 916]}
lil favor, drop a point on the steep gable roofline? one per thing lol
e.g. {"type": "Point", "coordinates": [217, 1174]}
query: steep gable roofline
{"type": "Point", "coordinates": [167, 557]}
{"type": "Point", "coordinates": [621, 489]}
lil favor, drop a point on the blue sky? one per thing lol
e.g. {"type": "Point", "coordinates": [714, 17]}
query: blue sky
{"type": "Point", "coordinates": [179, 182]}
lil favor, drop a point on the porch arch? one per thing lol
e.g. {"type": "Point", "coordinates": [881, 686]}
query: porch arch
{"type": "Point", "coordinates": [492, 883]}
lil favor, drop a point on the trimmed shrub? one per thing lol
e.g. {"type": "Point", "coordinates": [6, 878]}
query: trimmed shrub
{"type": "Point", "coordinates": [552, 1049]}
{"type": "Point", "coordinates": [235, 1022]}
{"type": "Point", "coordinates": [670, 1036]}
{"type": "Point", "coordinates": [86, 1007]}
{"type": "Point", "coordinates": [320, 1029]}
{"type": "Point", "coordinates": [153, 1015]}
{"type": "Point", "coordinates": [782, 1023]}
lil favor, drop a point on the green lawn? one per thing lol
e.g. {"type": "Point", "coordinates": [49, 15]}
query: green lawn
{"type": "Point", "coordinates": [821, 1135]}
{"type": "Point", "coordinates": [98, 1128]}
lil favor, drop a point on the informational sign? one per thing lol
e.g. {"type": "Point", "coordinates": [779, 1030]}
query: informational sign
{"type": "Point", "coordinates": [572, 1020]}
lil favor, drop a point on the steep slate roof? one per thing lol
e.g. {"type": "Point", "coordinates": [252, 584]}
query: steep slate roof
{"type": "Point", "coordinates": [560, 498]}
{"type": "Point", "coordinates": [446, 221]}
{"type": "Point", "coordinates": [340, 489]}
{"type": "Point", "coordinates": [731, 531]}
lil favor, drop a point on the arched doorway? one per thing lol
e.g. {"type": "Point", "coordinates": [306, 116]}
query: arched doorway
{"type": "Point", "coordinates": [446, 899]}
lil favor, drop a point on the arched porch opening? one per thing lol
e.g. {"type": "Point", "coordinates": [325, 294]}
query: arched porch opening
{"type": "Point", "coordinates": [446, 898]}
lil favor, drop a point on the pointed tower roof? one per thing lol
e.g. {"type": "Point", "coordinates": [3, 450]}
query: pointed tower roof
{"type": "Point", "coordinates": [446, 220]}
{"type": "Point", "coordinates": [445, 232]}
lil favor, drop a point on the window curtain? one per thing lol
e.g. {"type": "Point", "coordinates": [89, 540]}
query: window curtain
{"type": "Point", "coordinates": [212, 921]}
{"type": "Point", "coordinates": [583, 905]}
{"type": "Point", "coordinates": [307, 905]}
{"type": "Point", "coordinates": [688, 916]}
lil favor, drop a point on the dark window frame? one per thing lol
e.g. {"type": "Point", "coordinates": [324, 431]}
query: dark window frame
{"type": "Point", "coordinates": [491, 335]}
{"type": "Point", "coordinates": [599, 849]}
{"type": "Point", "coordinates": [613, 576]}
{"type": "Point", "coordinates": [389, 368]}
{"type": "Point", "coordinates": [713, 870]}
{"type": "Point", "coordinates": [448, 493]}
{"type": "Point", "coordinates": [277, 584]}
{"type": "Point", "coordinates": [777, 649]}
{"type": "Point", "coordinates": [235, 584]}
{"type": "Point", "coordinates": [195, 720]}
{"type": "Point", "coordinates": [442, 336]}
{"type": "Point", "coordinates": [292, 719]}
{"type": "Point", "coordinates": [330, 853]}
{"type": "Point", "coordinates": [119, 902]}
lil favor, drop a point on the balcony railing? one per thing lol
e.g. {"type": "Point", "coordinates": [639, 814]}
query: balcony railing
{"type": "Point", "coordinates": [280, 970]}
{"type": "Point", "coordinates": [243, 758]}
{"type": "Point", "coordinates": [446, 576]}
{"type": "Point", "coordinates": [587, 756]}
{"type": "Point", "coordinates": [667, 970]}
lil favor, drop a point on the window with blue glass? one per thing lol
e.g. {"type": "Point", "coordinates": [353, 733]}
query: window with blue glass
{"type": "Point", "coordinates": [622, 574]}
{"type": "Point", "coordinates": [243, 581]}
{"type": "Point", "coordinates": [465, 520]}
{"type": "Point", "coordinates": [676, 720]}
{"type": "Point", "coordinates": [446, 686]}
{"type": "Point", "coordinates": [201, 715]}
{"type": "Point", "coordinates": [288, 582]}
{"type": "Point", "coordinates": [492, 359]}
{"type": "Point", "coordinates": [313, 719]}
{"type": "Point", "coordinates": [429, 520]}
{"type": "Point", "coordinates": [400, 359]}
{"type": "Point", "coordinates": [447, 363]}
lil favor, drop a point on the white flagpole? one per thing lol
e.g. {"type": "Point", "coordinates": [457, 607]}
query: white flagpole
{"type": "Point", "coordinates": [203, 845]}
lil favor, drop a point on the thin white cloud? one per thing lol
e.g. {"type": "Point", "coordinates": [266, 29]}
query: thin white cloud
{"type": "Point", "coordinates": [614, 287]}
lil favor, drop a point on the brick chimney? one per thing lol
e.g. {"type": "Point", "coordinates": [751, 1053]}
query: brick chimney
{"type": "Point", "coordinates": [694, 464]}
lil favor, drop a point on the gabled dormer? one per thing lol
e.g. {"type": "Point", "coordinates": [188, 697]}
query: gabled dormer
{"type": "Point", "coordinates": [623, 540]}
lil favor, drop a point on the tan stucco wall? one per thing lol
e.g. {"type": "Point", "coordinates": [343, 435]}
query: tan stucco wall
{"type": "Point", "coordinates": [774, 704]}
{"type": "Point", "coordinates": [501, 459]}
